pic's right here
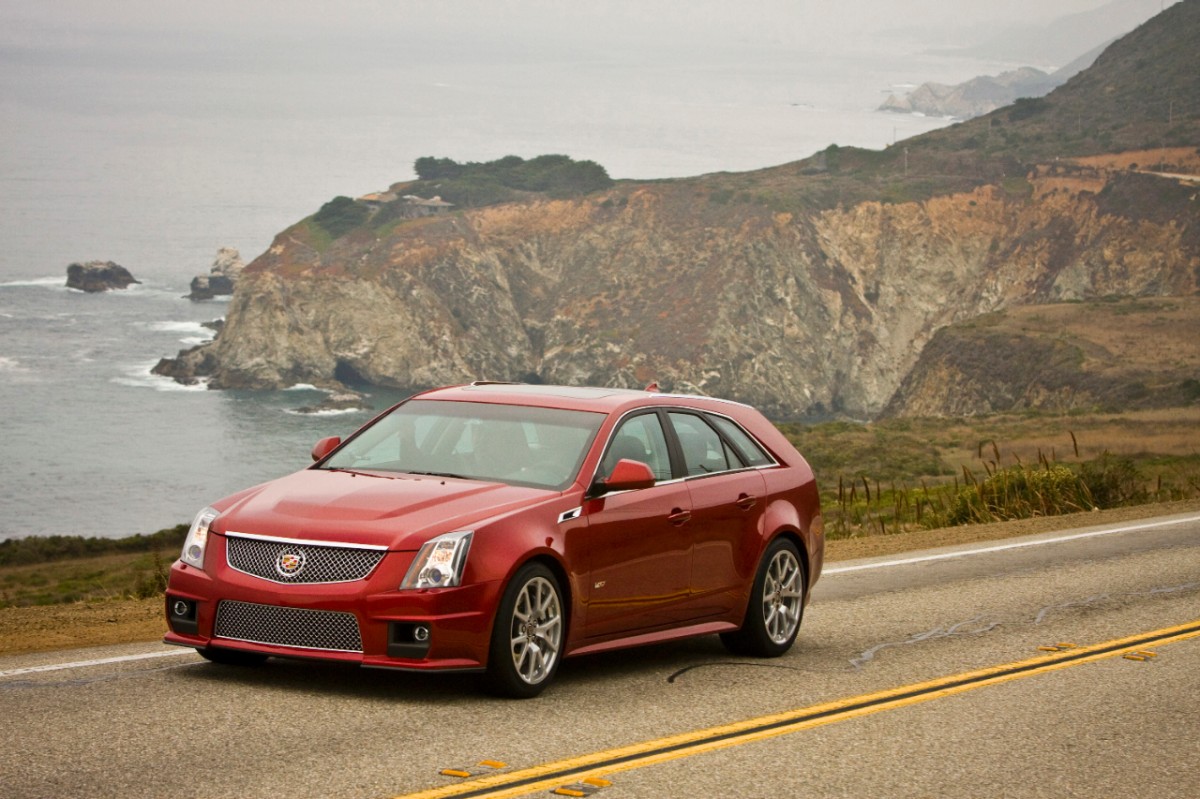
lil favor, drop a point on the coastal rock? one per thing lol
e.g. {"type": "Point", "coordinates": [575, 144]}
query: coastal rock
{"type": "Point", "coordinates": [221, 278]}
{"type": "Point", "coordinates": [802, 315]}
{"type": "Point", "coordinates": [338, 402]}
{"type": "Point", "coordinates": [96, 276]}
{"type": "Point", "coordinates": [975, 97]}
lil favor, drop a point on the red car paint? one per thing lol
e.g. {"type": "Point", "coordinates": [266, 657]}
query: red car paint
{"type": "Point", "coordinates": [674, 559]}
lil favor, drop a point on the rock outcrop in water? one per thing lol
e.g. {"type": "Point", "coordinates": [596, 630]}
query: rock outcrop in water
{"type": "Point", "coordinates": [221, 278]}
{"type": "Point", "coordinates": [97, 276]}
{"type": "Point", "coordinates": [974, 97]}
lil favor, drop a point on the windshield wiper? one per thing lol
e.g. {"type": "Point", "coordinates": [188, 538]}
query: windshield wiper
{"type": "Point", "coordinates": [439, 474]}
{"type": "Point", "coordinates": [348, 470]}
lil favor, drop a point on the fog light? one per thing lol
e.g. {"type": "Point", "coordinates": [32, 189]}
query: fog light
{"type": "Point", "coordinates": [181, 608]}
{"type": "Point", "coordinates": [420, 633]}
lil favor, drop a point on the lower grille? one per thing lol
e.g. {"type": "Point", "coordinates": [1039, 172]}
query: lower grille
{"type": "Point", "coordinates": [298, 627]}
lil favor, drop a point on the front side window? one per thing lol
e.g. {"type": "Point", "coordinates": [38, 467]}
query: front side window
{"type": "Point", "coordinates": [542, 447]}
{"type": "Point", "coordinates": [639, 438]}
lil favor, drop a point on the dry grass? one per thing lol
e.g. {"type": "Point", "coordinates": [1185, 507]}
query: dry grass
{"type": "Point", "coordinates": [1179, 159]}
{"type": "Point", "coordinates": [906, 474]}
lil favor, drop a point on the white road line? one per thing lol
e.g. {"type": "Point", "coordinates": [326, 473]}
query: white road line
{"type": "Point", "coordinates": [79, 664]}
{"type": "Point", "coordinates": [1002, 547]}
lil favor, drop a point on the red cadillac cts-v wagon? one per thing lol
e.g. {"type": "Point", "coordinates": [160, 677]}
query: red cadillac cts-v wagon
{"type": "Point", "coordinates": [502, 527]}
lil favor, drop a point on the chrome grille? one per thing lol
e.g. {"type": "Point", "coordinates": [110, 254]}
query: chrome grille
{"type": "Point", "coordinates": [288, 562]}
{"type": "Point", "coordinates": [299, 627]}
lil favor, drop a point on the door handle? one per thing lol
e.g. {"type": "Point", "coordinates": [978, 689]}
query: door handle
{"type": "Point", "coordinates": [679, 517]}
{"type": "Point", "coordinates": [746, 502]}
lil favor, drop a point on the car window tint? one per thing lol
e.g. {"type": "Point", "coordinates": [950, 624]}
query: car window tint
{"type": "Point", "coordinates": [755, 456]}
{"type": "Point", "coordinates": [703, 450]}
{"type": "Point", "coordinates": [640, 438]}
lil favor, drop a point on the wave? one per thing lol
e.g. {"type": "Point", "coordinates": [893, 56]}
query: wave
{"type": "Point", "coordinates": [144, 291]}
{"type": "Point", "coordinates": [140, 376]}
{"type": "Point", "coordinates": [195, 332]}
{"type": "Point", "coordinates": [307, 387]}
{"type": "Point", "coordinates": [195, 328]}
{"type": "Point", "coordinates": [17, 373]}
{"type": "Point", "coordinates": [58, 282]}
{"type": "Point", "coordinates": [324, 412]}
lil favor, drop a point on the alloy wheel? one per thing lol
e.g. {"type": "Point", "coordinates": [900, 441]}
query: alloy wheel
{"type": "Point", "coordinates": [782, 596]}
{"type": "Point", "coordinates": [536, 631]}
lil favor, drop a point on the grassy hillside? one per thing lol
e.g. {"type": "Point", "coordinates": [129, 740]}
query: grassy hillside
{"type": "Point", "coordinates": [903, 474]}
{"type": "Point", "coordinates": [1112, 354]}
{"type": "Point", "coordinates": [1141, 94]}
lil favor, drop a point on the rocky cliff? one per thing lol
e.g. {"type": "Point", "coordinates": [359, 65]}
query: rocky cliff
{"type": "Point", "coordinates": [794, 288]}
{"type": "Point", "coordinates": [1115, 354]}
{"type": "Point", "coordinates": [800, 313]}
{"type": "Point", "coordinates": [974, 97]}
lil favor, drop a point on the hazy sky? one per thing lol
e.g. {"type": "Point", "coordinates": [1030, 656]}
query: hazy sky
{"type": "Point", "coordinates": [191, 28]}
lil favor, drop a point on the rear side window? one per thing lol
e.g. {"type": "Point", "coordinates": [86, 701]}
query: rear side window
{"type": "Point", "coordinates": [703, 450]}
{"type": "Point", "coordinates": [751, 451]}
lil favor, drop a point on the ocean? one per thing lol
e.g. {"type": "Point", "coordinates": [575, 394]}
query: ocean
{"type": "Point", "coordinates": [156, 169]}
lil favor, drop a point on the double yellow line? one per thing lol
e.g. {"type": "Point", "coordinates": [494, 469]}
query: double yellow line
{"type": "Point", "coordinates": [647, 753]}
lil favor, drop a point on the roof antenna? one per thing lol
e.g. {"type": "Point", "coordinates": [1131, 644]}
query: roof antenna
{"type": "Point", "coordinates": [652, 388]}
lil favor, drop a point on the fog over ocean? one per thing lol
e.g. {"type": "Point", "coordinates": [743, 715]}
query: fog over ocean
{"type": "Point", "coordinates": [153, 140]}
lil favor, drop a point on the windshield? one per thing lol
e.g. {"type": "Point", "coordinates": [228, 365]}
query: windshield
{"type": "Point", "coordinates": [542, 447]}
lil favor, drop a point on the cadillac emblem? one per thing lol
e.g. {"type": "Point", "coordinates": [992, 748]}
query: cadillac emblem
{"type": "Point", "coordinates": [290, 562]}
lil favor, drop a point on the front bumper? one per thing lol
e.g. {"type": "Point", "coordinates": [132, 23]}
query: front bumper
{"type": "Point", "coordinates": [368, 622]}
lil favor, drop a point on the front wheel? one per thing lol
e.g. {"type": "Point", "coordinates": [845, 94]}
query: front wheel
{"type": "Point", "coordinates": [776, 605]}
{"type": "Point", "coordinates": [527, 637]}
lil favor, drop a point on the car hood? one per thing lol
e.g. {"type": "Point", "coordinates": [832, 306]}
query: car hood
{"type": "Point", "coordinates": [398, 511]}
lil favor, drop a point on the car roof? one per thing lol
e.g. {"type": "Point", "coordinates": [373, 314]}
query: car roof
{"type": "Point", "coordinates": [582, 398]}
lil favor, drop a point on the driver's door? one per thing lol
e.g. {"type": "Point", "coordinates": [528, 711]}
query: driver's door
{"type": "Point", "coordinates": [638, 542]}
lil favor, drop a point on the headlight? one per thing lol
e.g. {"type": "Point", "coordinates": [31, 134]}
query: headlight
{"type": "Point", "coordinates": [440, 562]}
{"type": "Point", "coordinates": [197, 538]}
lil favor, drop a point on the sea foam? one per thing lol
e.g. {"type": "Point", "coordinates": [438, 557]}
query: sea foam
{"type": "Point", "coordinates": [140, 376]}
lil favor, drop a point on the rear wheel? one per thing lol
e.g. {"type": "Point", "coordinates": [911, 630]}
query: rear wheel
{"type": "Point", "coordinates": [776, 604]}
{"type": "Point", "coordinates": [527, 637]}
{"type": "Point", "coordinates": [232, 657]}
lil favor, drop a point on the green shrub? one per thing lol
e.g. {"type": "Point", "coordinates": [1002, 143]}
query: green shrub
{"type": "Point", "coordinates": [341, 215]}
{"type": "Point", "coordinates": [1020, 492]}
{"type": "Point", "coordinates": [491, 182]}
{"type": "Point", "coordinates": [1112, 482]}
{"type": "Point", "coordinates": [40, 549]}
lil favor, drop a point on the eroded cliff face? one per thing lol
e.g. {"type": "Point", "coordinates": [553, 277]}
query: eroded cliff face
{"type": "Point", "coordinates": [798, 313]}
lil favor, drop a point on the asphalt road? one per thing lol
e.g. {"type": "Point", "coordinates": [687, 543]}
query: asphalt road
{"type": "Point", "coordinates": [151, 721]}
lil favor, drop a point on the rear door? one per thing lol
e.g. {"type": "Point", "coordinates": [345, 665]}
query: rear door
{"type": "Point", "coordinates": [728, 498]}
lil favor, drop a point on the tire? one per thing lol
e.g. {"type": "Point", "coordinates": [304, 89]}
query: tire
{"type": "Point", "coordinates": [776, 604]}
{"type": "Point", "coordinates": [232, 657]}
{"type": "Point", "coordinates": [528, 634]}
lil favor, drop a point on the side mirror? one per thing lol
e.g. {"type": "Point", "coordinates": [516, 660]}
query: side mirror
{"type": "Point", "coordinates": [627, 475]}
{"type": "Point", "coordinates": [325, 446]}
